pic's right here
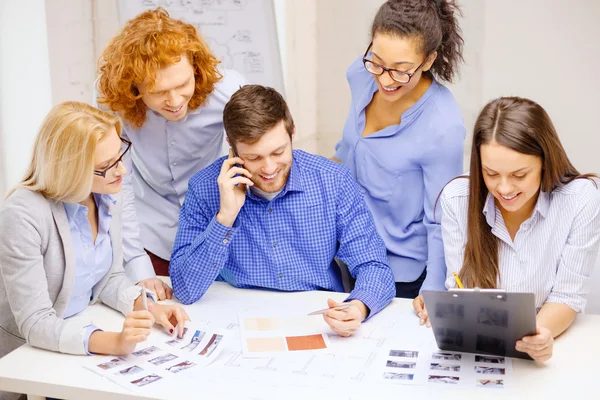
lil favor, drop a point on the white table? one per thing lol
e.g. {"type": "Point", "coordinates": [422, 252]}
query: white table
{"type": "Point", "coordinates": [571, 373]}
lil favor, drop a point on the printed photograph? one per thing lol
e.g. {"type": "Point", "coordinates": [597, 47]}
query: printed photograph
{"type": "Point", "coordinates": [115, 362]}
{"type": "Point", "coordinates": [489, 344]}
{"type": "Point", "coordinates": [146, 351]}
{"type": "Point", "coordinates": [194, 341]}
{"type": "Point", "coordinates": [180, 367]}
{"type": "Point", "coordinates": [134, 369]}
{"type": "Point", "coordinates": [452, 380]}
{"type": "Point", "coordinates": [398, 377]}
{"type": "Point", "coordinates": [162, 359]}
{"type": "Point", "coordinates": [175, 341]}
{"type": "Point", "coordinates": [213, 343]}
{"type": "Point", "coordinates": [404, 353]}
{"type": "Point", "coordinates": [146, 380]}
{"type": "Point", "coordinates": [490, 383]}
{"type": "Point", "coordinates": [444, 367]}
{"type": "Point", "coordinates": [493, 317]}
{"type": "Point", "coordinates": [490, 359]}
{"type": "Point", "coordinates": [449, 337]}
{"type": "Point", "coordinates": [489, 370]}
{"type": "Point", "coordinates": [447, 310]}
{"type": "Point", "coordinates": [446, 356]}
{"type": "Point", "coordinates": [400, 364]}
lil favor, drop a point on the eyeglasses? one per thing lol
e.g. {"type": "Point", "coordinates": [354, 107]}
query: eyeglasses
{"type": "Point", "coordinates": [120, 159]}
{"type": "Point", "coordinates": [378, 69]}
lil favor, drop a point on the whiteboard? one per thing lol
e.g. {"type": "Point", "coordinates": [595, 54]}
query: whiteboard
{"type": "Point", "coordinates": [242, 34]}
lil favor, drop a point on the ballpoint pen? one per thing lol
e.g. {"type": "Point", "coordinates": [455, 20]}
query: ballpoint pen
{"type": "Point", "coordinates": [337, 308]}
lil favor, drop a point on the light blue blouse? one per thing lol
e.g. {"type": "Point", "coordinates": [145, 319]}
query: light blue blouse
{"type": "Point", "coordinates": [92, 260]}
{"type": "Point", "coordinates": [402, 170]}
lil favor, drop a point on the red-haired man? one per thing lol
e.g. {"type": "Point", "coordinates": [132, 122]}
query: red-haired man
{"type": "Point", "coordinates": [160, 77]}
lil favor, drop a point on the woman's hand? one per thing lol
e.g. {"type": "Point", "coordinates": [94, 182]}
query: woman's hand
{"type": "Point", "coordinates": [421, 311]}
{"type": "Point", "coordinates": [136, 329]}
{"type": "Point", "coordinates": [539, 346]}
{"type": "Point", "coordinates": [169, 316]}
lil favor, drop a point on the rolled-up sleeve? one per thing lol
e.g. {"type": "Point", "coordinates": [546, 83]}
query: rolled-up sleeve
{"type": "Point", "coordinates": [573, 281]}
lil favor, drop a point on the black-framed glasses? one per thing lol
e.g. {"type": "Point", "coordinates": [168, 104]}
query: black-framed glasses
{"type": "Point", "coordinates": [120, 159]}
{"type": "Point", "coordinates": [378, 69]}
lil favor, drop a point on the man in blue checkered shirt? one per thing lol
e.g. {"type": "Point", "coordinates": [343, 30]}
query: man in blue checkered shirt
{"type": "Point", "coordinates": [273, 217]}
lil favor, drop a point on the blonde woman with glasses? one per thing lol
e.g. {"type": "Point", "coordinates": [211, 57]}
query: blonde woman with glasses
{"type": "Point", "coordinates": [60, 242]}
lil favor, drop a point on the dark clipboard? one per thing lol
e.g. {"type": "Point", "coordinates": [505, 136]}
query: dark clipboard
{"type": "Point", "coordinates": [483, 321]}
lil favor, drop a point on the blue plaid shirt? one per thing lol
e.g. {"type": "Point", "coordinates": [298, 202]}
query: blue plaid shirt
{"type": "Point", "coordinates": [288, 243]}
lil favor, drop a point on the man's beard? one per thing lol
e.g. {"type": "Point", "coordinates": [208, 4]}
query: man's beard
{"type": "Point", "coordinates": [276, 185]}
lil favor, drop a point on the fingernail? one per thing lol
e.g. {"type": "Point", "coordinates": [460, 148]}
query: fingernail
{"type": "Point", "coordinates": [171, 330]}
{"type": "Point", "coordinates": [420, 315]}
{"type": "Point", "coordinates": [422, 322]}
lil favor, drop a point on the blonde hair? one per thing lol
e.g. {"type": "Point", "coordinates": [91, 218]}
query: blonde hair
{"type": "Point", "coordinates": [62, 164]}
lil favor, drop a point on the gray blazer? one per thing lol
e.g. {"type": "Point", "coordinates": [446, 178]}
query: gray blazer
{"type": "Point", "coordinates": [37, 269]}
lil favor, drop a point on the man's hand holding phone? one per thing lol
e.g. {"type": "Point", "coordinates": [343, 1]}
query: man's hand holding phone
{"type": "Point", "coordinates": [232, 181]}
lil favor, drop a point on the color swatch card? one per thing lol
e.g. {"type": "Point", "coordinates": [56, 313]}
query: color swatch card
{"type": "Point", "coordinates": [163, 358]}
{"type": "Point", "coordinates": [443, 368]}
{"type": "Point", "coordinates": [275, 336]}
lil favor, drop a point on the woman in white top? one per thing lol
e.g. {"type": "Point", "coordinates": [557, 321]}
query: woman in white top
{"type": "Point", "coordinates": [524, 220]}
{"type": "Point", "coordinates": [61, 243]}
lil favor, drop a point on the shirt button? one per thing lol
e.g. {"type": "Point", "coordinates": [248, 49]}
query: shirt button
{"type": "Point", "coordinates": [225, 241]}
{"type": "Point", "coordinates": [174, 164]}
{"type": "Point", "coordinates": [172, 142]}
{"type": "Point", "coordinates": [270, 210]}
{"type": "Point", "coordinates": [214, 264]}
{"type": "Point", "coordinates": [281, 275]}
{"type": "Point", "coordinates": [274, 244]}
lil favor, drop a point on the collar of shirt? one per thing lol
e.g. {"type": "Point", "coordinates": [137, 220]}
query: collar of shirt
{"type": "Point", "coordinates": [295, 183]}
{"type": "Point", "coordinates": [371, 88]}
{"type": "Point", "coordinates": [541, 207]}
{"type": "Point", "coordinates": [76, 211]}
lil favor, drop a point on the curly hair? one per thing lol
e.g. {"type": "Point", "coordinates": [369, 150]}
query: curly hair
{"type": "Point", "coordinates": [432, 21]}
{"type": "Point", "coordinates": [147, 44]}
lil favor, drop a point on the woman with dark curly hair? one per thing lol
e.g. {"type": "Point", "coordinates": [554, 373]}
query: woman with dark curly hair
{"type": "Point", "coordinates": [403, 138]}
{"type": "Point", "coordinates": [160, 77]}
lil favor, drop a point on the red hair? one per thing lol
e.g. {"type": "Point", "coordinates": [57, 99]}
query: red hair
{"type": "Point", "coordinates": [147, 44]}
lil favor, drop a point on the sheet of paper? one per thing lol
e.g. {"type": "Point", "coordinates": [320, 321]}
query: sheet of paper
{"type": "Point", "coordinates": [268, 336]}
{"type": "Point", "coordinates": [162, 358]}
{"type": "Point", "coordinates": [436, 368]}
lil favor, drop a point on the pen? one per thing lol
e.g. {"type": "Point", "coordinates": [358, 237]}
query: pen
{"type": "Point", "coordinates": [458, 282]}
{"type": "Point", "coordinates": [144, 299]}
{"type": "Point", "coordinates": [337, 308]}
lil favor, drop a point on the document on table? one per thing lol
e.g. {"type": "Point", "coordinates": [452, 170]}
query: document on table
{"type": "Point", "coordinates": [154, 364]}
{"type": "Point", "coordinates": [443, 368]}
{"type": "Point", "coordinates": [269, 336]}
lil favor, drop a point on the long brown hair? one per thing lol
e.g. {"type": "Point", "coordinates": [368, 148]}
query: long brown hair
{"type": "Point", "coordinates": [524, 126]}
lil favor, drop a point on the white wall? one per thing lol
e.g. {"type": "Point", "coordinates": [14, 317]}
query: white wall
{"type": "Point", "coordinates": [71, 49]}
{"type": "Point", "coordinates": [548, 50]}
{"type": "Point", "coordinates": [343, 36]}
{"type": "Point", "coordinates": [24, 84]}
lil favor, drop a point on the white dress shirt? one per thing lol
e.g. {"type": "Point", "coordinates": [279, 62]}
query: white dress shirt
{"type": "Point", "coordinates": [554, 251]}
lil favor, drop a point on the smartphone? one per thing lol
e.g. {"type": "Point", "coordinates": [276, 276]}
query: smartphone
{"type": "Point", "coordinates": [235, 154]}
